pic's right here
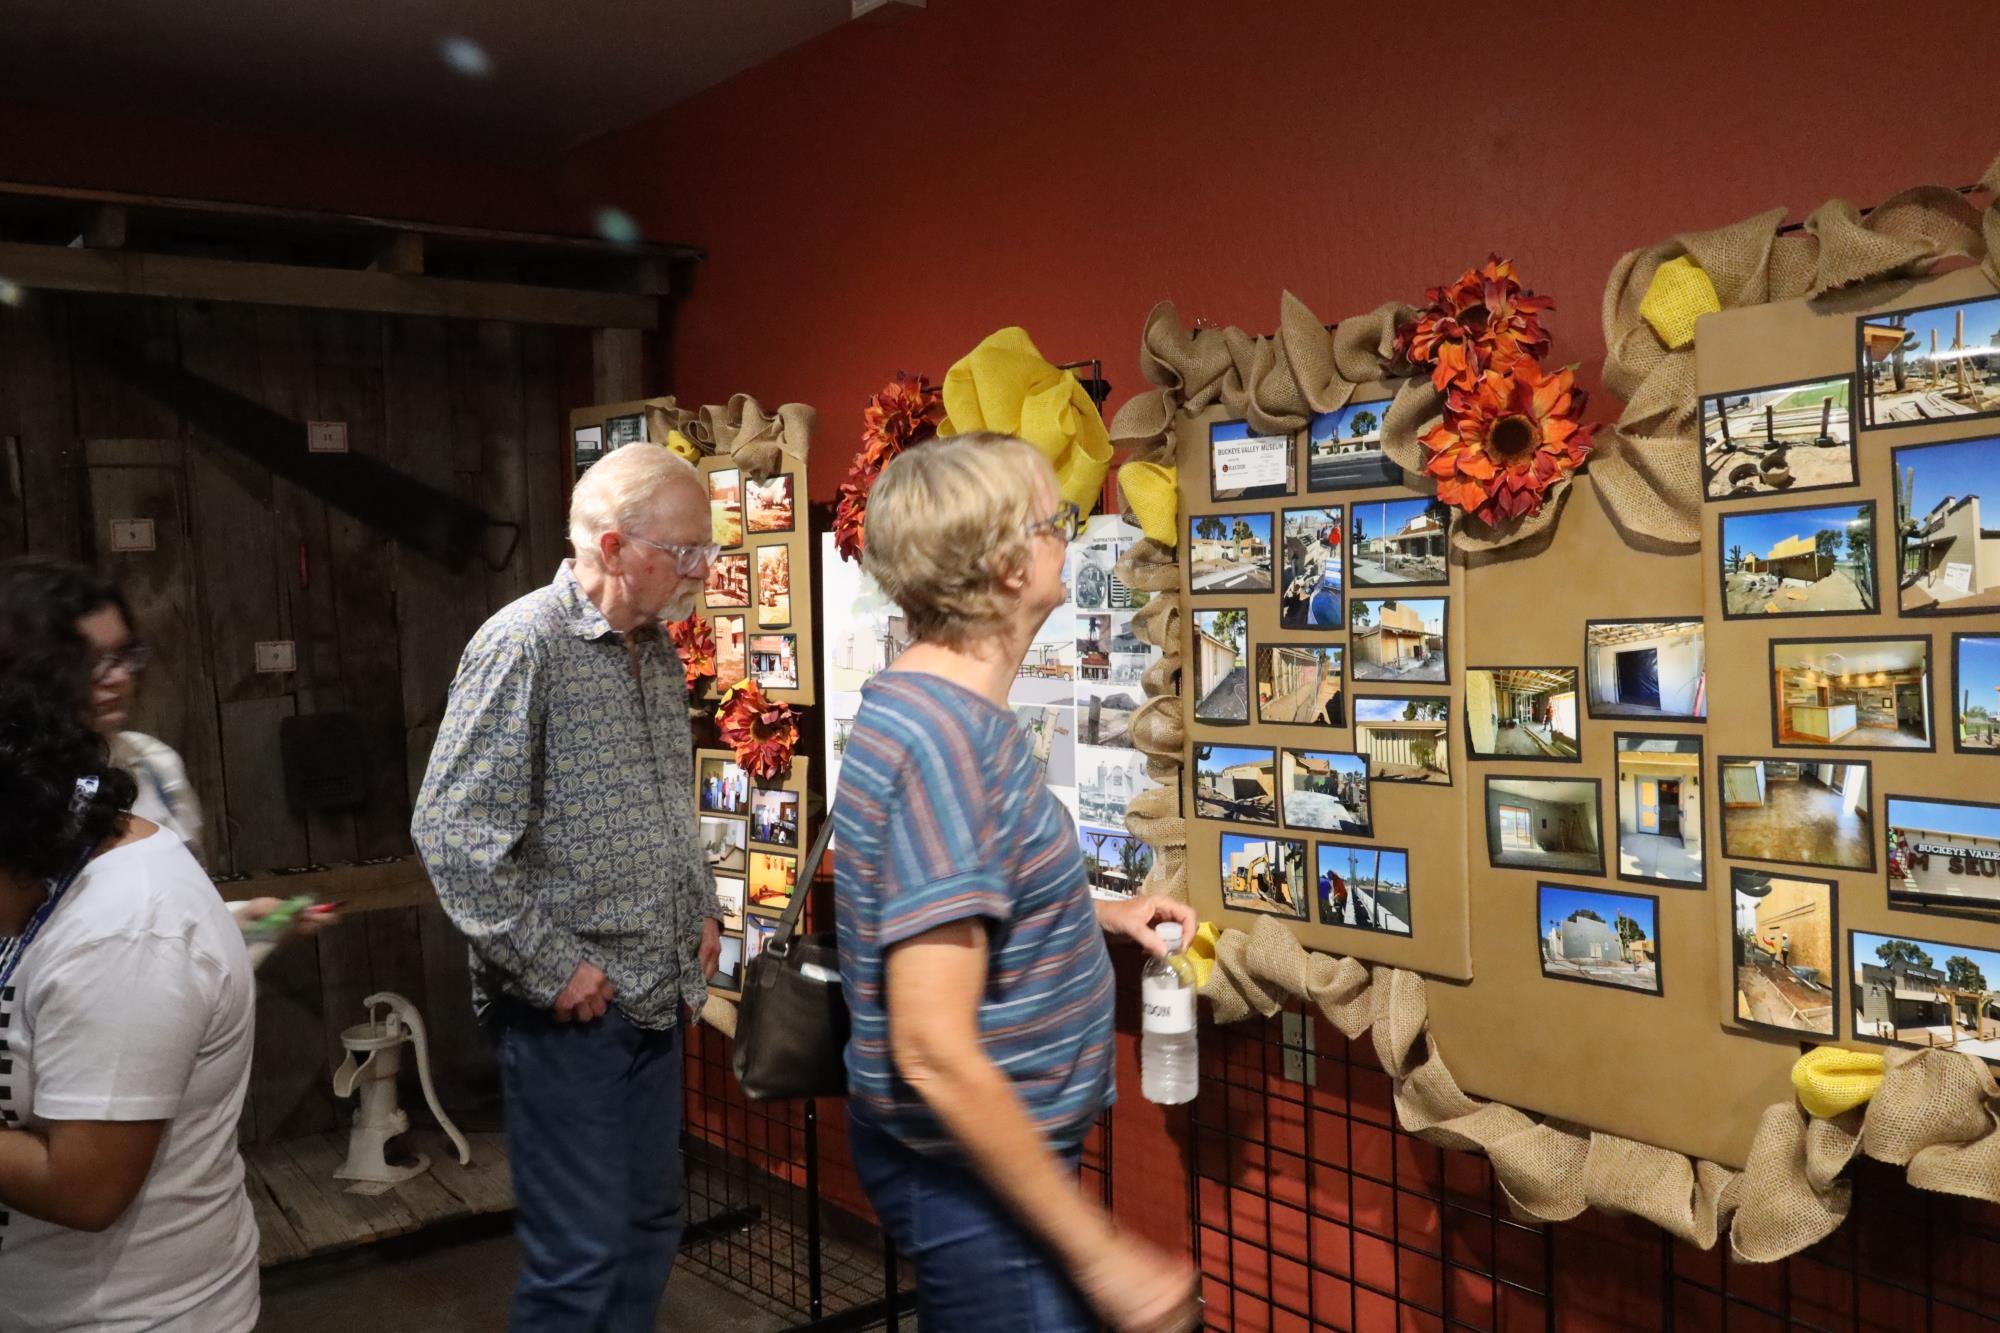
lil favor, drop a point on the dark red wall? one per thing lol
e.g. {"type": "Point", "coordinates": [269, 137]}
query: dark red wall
{"type": "Point", "coordinates": [884, 197]}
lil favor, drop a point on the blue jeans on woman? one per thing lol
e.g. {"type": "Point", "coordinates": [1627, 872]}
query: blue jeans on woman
{"type": "Point", "coordinates": [978, 1269]}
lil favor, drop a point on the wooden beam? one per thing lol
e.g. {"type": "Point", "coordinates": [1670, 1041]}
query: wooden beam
{"type": "Point", "coordinates": [399, 252]}
{"type": "Point", "coordinates": [363, 888]}
{"type": "Point", "coordinates": [617, 359]}
{"type": "Point", "coordinates": [105, 227]}
{"type": "Point", "coordinates": [59, 268]}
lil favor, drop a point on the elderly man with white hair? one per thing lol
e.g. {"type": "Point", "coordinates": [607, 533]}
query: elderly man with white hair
{"type": "Point", "coordinates": [557, 821]}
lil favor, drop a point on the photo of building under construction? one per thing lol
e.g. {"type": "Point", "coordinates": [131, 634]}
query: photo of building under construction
{"type": "Point", "coordinates": [1238, 782]}
{"type": "Point", "coordinates": [1777, 440]}
{"type": "Point", "coordinates": [1926, 994]}
{"type": "Point", "coordinates": [1599, 936]}
{"type": "Point", "coordinates": [1975, 690]}
{"type": "Point", "coordinates": [1799, 562]}
{"type": "Point", "coordinates": [1521, 713]}
{"type": "Point", "coordinates": [1784, 951]}
{"type": "Point", "coordinates": [1262, 874]}
{"type": "Point", "coordinates": [1948, 549]}
{"type": "Point", "coordinates": [1928, 364]}
{"type": "Point", "coordinates": [1365, 888]}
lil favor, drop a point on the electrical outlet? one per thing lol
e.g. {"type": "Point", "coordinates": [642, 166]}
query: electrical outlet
{"type": "Point", "coordinates": [326, 437]}
{"type": "Point", "coordinates": [277, 655]}
{"type": "Point", "coordinates": [1301, 1046]}
{"type": "Point", "coordinates": [132, 534]}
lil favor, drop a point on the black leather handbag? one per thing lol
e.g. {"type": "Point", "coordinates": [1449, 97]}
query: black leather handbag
{"type": "Point", "coordinates": [791, 1022]}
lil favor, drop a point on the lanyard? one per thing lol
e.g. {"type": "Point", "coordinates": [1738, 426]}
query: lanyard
{"type": "Point", "coordinates": [11, 953]}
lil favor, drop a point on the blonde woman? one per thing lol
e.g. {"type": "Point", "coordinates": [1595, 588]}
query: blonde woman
{"type": "Point", "coordinates": [972, 955]}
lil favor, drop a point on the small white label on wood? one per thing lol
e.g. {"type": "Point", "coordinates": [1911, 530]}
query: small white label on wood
{"type": "Point", "coordinates": [277, 655]}
{"type": "Point", "coordinates": [132, 534]}
{"type": "Point", "coordinates": [326, 437]}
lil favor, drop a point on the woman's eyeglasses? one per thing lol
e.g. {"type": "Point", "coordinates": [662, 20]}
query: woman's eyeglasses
{"type": "Point", "coordinates": [1065, 523]}
{"type": "Point", "coordinates": [133, 658]}
{"type": "Point", "coordinates": [688, 560]}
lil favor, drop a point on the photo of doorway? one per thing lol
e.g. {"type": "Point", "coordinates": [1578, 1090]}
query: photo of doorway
{"type": "Point", "coordinates": [1659, 809]}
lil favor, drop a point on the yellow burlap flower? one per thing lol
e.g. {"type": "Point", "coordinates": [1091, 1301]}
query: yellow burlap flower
{"type": "Point", "coordinates": [1004, 385]}
{"type": "Point", "coordinates": [1197, 959]}
{"type": "Point", "coordinates": [681, 445]}
{"type": "Point", "coordinates": [1830, 1080]}
{"type": "Point", "coordinates": [1152, 500]}
{"type": "Point", "coordinates": [1679, 294]}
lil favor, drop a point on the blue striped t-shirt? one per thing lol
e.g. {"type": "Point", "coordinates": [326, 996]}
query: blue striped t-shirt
{"type": "Point", "coordinates": [942, 815]}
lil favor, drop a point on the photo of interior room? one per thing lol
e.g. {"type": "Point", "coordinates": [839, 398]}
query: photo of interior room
{"type": "Point", "coordinates": [1852, 693]}
{"type": "Point", "coordinates": [1797, 813]}
{"type": "Point", "coordinates": [1533, 824]}
{"type": "Point", "coordinates": [1659, 809]}
{"type": "Point", "coordinates": [1521, 713]}
{"type": "Point", "coordinates": [1645, 668]}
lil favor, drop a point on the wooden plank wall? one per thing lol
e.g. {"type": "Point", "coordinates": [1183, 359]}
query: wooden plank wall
{"type": "Point", "coordinates": [242, 556]}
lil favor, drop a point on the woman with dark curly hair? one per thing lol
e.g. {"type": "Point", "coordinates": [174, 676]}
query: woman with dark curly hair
{"type": "Point", "coordinates": [126, 1024]}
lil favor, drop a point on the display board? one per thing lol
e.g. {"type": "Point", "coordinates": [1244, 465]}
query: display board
{"type": "Point", "coordinates": [752, 832]}
{"type": "Point", "coordinates": [1073, 697]}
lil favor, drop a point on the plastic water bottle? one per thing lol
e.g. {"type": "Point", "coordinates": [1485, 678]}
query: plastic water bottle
{"type": "Point", "coordinates": [1168, 1060]}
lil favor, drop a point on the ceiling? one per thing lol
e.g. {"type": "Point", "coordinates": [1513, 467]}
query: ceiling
{"type": "Point", "coordinates": [557, 74]}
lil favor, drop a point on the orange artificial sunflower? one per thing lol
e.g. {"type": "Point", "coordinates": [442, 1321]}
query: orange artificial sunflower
{"type": "Point", "coordinates": [694, 640]}
{"type": "Point", "coordinates": [762, 733]}
{"type": "Point", "coordinates": [1502, 446]}
{"type": "Point", "coordinates": [1485, 320]}
{"type": "Point", "coordinates": [906, 412]}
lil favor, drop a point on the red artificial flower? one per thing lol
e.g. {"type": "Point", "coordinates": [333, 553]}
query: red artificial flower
{"type": "Point", "coordinates": [906, 412]}
{"type": "Point", "coordinates": [694, 640]}
{"type": "Point", "coordinates": [1485, 320]}
{"type": "Point", "coordinates": [762, 733]}
{"type": "Point", "coordinates": [1504, 445]}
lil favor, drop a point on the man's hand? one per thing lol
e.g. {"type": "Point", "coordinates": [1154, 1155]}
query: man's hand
{"type": "Point", "coordinates": [711, 947]}
{"type": "Point", "coordinates": [1135, 918]}
{"type": "Point", "coordinates": [586, 997]}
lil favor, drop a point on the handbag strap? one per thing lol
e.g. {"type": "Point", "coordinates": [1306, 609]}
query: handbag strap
{"type": "Point", "coordinates": [802, 886]}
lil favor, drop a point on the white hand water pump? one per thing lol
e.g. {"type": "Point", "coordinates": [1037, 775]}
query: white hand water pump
{"type": "Point", "coordinates": [392, 1020]}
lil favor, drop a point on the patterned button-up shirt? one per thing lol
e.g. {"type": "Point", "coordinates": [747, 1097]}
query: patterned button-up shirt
{"type": "Point", "coordinates": [557, 816]}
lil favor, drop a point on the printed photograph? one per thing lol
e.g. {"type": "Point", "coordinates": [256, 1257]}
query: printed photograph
{"type": "Point", "coordinates": [1238, 782]}
{"type": "Point", "coordinates": [723, 844]}
{"type": "Point", "coordinates": [1785, 932]}
{"type": "Point", "coordinates": [1265, 875]}
{"type": "Point", "coordinates": [621, 431]}
{"type": "Point", "coordinates": [1229, 553]}
{"type": "Point", "coordinates": [731, 662]}
{"type": "Point", "coordinates": [1659, 809]}
{"type": "Point", "coordinates": [1299, 684]}
{"type": "Point", "coordinates": [1544, 824]}
{"type": "Point", "coordinates": [774, 816]}
{"type": "Point", "coordinates": [1851, 694]}
{"type": "Point", "coordinates": [1221, 673]}
{"type": "Point", "coordinates": [774, 661]}
{"type": "Point", "coordinates": [1048, 673]}
{"type": "Point", "coordinates": [1109, 779]}
{"type": "Point", "coordinates": [1405, 739]}
{"type": "Point", "coordinates": [1522, 713]}
{"type": "Point", "coordinates": [1116, 863]}
{"type": "Point", "coordinates": [729, 888]}
{"type": "Point", "coordinates": [1108, 652]}
{"type": "Point", "coordinates": [1799, 562]}
{"type": "Point", "coordinates": [757, 934]}
{"type": "Point", "coordinates": [1778, 440]}
{"type": "Point", "coordinates": [772, 875]}
{"type": "Point", "coordinates": [1948, 559]}
{"type": "Point", "coordinates": [1944, 856]}
{"type": "Point", "coordinates": [1975, 688]}
{"type": "Point", "coordinates": [1400, 543]}
{"type": "Point", "coordinates": [1365, 888]}
{"type": "Point", "coordinates": [1344, 449]}
{"type": "Point", "coordinates": [725, 506]}
{"type": "Point", "coordinates": [774, 585]}
{"type": "Point", "coordinates": [588, 442]}
{"type": "Point", "coordinates": [1646, 669]}
{"type": "Point", "coordinates": [1104, 715]}
{"type": "Point", "coordinates": [1091, 570]}
{"type": "Point", "coordinates": [1925, 993]}
{"type": "Point", "coordinates": [1312, 570]}
{"type": "Point", "coordinates": [1932, 363]}
{"type": "Point", "coordinates": [725, 787]}
{"type": "Point", "coordinates": [728, 581]}
{"type": "Point", "coordinates": [768, 504]}
{"type": "Point", "coordinates": [864, 630]}
{"type": "Point", "coordinates": [1398, 640]}
{"type": "Point", "coordinates": [1797, 813]}
{"type": "Point", "coordinates": [1600, 936]}
{"type": "Point", "coordinates": [729, 966]}
{"type": "Point", "coordinates": [1051, 733]}
{"type": "Point", "coordinates": [1325, 790]}
{"type": "Point", "coordinates": [1244, 465]}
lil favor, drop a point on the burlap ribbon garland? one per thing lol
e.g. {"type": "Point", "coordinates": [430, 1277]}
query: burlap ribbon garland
{"type": "Point", "coordinates": [758, 441]}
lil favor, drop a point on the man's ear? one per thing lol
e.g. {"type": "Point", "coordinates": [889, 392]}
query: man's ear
{"type": "Point", "coordinates": [611, 553]}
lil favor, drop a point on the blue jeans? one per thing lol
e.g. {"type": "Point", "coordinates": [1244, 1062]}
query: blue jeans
{"type": "Point", "coordinates": [594, 1142]}
{"type": "Point", "coordinates": [978, 1269]}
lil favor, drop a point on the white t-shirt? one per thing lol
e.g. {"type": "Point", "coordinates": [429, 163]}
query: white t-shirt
{"type": "Point", "coordinates": [136, 1002]}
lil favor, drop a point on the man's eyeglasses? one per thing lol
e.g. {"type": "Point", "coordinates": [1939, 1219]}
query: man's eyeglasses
{"type": "Point", "coordinates": [689, 560]}
{"type": "Point", "coordinates": [133, 658]}
{"type": "Point", "coordinates": [1065, 523]}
